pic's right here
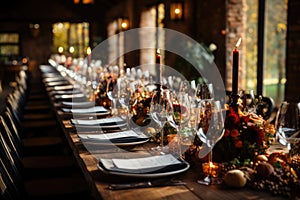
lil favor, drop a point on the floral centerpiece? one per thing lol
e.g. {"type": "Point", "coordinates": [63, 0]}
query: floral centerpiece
{"type": "Point", "coordinates": [246, 136]}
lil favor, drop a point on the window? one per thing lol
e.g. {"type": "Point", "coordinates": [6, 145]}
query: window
{"type": "Point", "coordinates": [275, 48]}
{"type": "Point", "coordinates": [263, 45]}
{"type": "Point", "coordinates": [72, 38]}
{"type": "Point", "coordinates": [9, 47]}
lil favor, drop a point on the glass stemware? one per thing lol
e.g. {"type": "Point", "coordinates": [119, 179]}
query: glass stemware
{"type": "Point", "coordinates": [249, 100]}
{"type": "Point", "coordinates": [124, 97]}
{"type": "Point", "coordinates": [204, 91]}
{"type": "Point", "coordinates": [181, 117]}
{"type": "Point", "coordinates": [210, 131]}
{"type": "Point", "coordinates": [287, 124]}
{"type": "Point", "coordinates": [113, 96]}
{"type": "Point", "coordinates": [160, 111]}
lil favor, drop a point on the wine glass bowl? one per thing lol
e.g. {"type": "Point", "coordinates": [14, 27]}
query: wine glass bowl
{"type": "Point", "coordinates": [248, 100]}
{"type": "Point", "coordinates": [287, 123]}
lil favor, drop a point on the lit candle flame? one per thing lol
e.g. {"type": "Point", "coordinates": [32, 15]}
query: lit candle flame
{"type": "Point", "coordinates": [88, 51]}
{"type": "Point", "coordinates": [158, 51]}
{"type": "Point", "coordinates": [238, 43]}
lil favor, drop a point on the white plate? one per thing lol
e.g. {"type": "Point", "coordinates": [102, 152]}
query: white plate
{"type": "Point", "coordinates": [109, 143]}
{"type": "Point", "coordinates": [78, 104]}
{"type": "Point", "coordinates": [95, 109]}
{"type": "Point", "coordinates": [105, 126]}
{"type": "Point", "coordinates": [181, 168]}
{"type": "Point", "coordinates": [57, 83]}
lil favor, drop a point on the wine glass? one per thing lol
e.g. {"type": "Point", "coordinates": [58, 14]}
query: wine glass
{"type": "Point", "coordinates": [160, 111]}
{"type": "Point", "coordinates": [210, 131]}
{"type": "Point", "coordinates": [249, 101]}
{"type": "Point", "coordinates": [204, 91]}
{"type": "Point", "coordinates": [124, 97]}
{"type": "Point", "coordinates": [113, 95]}
{"type": "Point", "coordinates": [181, 116]}
{"type": "Point", "coordinates": [287, 123]}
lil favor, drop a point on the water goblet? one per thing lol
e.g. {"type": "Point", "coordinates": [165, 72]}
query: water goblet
{"type": "Point", "coordinates": [124, 97]}
{"type": "Point", "coordinates": [204, 91]}
{"type": "Point", "coordinates": [248, 100]}
{"type": "Point", "coordinates": [210, 131]}
{"type": "Point", "coordinates": [160, 111]}
{"type": "Point", "coordinates": [180, 119]}
{"type": "Point", "coordinates": [287, 123]}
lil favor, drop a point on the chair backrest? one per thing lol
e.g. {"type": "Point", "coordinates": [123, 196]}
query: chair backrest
{"type": "Point", "coordinates": [7, 137]}
{"type": "Point", "coordinates": [9, 127]}
{"type": "Point", "coordinates": [8, 190]}
{"type": "Point", "coordinates": [9, 164]}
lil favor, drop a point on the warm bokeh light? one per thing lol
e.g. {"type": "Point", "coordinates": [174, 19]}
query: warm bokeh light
{"type": "Point", "coordinates": [88, 51]}
{"type": "Point", "coordinates": [60, 49]}
{"type": "Point", "coordinates": [177, 11]}
{"type": "Point", "coordinates": [124, 25]}
{"type": "Point", "coordinates": [71, 49]}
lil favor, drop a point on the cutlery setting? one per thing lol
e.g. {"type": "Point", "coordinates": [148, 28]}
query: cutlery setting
{"type": "Point", "coordinates": [146, 184]}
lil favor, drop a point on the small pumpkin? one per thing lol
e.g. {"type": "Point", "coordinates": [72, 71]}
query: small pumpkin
{"type": "Point", "coordinates": [235, 178]}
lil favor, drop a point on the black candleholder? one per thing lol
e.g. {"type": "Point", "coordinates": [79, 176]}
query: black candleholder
{"type": "Point", "coordinates": [234, 101]}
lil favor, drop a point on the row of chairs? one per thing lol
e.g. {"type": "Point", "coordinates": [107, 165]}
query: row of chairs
{"type": "Point", "coordinates": [35, 160]}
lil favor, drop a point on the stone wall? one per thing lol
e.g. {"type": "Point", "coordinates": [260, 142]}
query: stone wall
{"type": "Point", "coordinates": [235, 29]}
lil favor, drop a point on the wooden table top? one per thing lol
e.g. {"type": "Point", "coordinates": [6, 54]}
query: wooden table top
{"type": "Point", "coordinates": [99, 181]}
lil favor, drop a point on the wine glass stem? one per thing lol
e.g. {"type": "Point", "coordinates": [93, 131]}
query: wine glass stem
{"type": "Point", "coordinates": [178, 141]}
{"type": "Point", "coordinates": [162, 135]}
{"type": "Point", "coordinates": [210, 160]}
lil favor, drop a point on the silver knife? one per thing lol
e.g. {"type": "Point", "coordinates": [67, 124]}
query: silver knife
{"type": "Point", "coordinates": [145, 184]}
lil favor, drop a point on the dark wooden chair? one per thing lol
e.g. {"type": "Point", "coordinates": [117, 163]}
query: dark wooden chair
{"type": "Point", "coordinates": [59, 164]}
{"type": "Point", "coordinates": [36, 188]}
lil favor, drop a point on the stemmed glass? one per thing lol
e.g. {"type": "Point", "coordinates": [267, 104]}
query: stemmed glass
{"type": "Point", "coordinates": [210, 131]}
{"type": "Point", "coordinates": [125, 92]}
{"type": "Point", "coordinates": [249, 101]}
{"type": "Point", "coordinates": [287, 124]}
{"type": "Point", "coordinates": [160, 111]}
{"type": "Point", "coordinates": [113, 95]}
{"type": "Point", "coordinates": [181, 116]}
{"type": "Point", "coordinates": [204, 91]}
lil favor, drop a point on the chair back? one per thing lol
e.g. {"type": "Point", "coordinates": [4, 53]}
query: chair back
{"type": "Point", "coordinates": [8, 191]}
{"type": "Point", "coordinates": [8, 160]}
{"type": "Point", "coordinates": [10, 145]}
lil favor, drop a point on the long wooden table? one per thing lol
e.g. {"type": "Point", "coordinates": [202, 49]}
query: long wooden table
{"type": "Point", "coordinates": [99, 181]}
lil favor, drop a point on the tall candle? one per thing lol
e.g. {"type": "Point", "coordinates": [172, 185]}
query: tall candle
{"type": "Point", "coordinates": [89, 53]}
{"type": "Point", "coordinates": [235, 68]}
{"type": "Point", "coordinates": [158, 61]}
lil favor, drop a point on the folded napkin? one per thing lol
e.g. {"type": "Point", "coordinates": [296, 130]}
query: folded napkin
{"type": "Point", "coordinates": [102, 122]}
{"type": "Point", "coordinates": [146, 165]}
{"type": "Point", "coordinates": [129, 136]}
{"type": "Point", "coordinates": [69, 96]}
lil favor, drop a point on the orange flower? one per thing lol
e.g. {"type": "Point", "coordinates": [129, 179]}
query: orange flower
{"type": "Point", "coordinates": [238, 144]}
{"type": "Point", "coordinates": [227, 133]}
{"type": "Point", "coordinates": [234, 133]}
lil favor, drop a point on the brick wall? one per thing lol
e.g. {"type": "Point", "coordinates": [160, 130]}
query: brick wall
{"type": "Point", "coordinates": [236, 24]}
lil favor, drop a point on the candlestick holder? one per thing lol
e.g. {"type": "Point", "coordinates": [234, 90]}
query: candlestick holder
{"type": "Point", "coordinates": [234, 101]}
